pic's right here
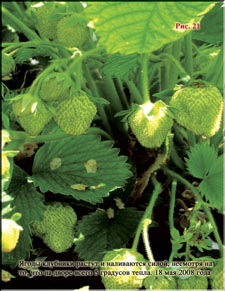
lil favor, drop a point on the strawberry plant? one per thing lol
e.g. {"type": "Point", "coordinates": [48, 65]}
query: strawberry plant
{"type": "Point", "coordinates": [112, 145]}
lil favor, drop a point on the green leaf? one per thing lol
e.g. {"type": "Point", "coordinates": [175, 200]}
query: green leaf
{"type": "Point", "coordinates": [6, 204]}
{"type": "Point", "coordinates": [29, 203]}
{"type": "Point", "coordinates": [98, 100]}
{"type": "Point", "coordinates": [142, 27]}
{"type": "Point", "coordinates": [211, 26]}
{"type": "Point", "coordinates": [24, 54]}
{"type": "Point", "coordinates": [200, 160]}
{"type": "Point", "coordinates": [122, 67]}
{"type": "Point", "coordinates": [59, 167]}
{"type": "Point", "coordinates": [97, 233]}
{"type": "Point", "coordinates": [5, 121]}
{"type": "Point", "coordinates": [212, 186]}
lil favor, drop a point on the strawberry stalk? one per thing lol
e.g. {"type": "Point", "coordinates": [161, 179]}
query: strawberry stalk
{"type": "Point", "coordinates": [134, 92]}
{"type": "Point", "coordinates": [172, 203]}
{"type": "Point", "coordinates": [171, 215]}
{"type": "Point", "coordinates": [83, 56]}
{"type": "Point", "coordinates": [30, 34]}
{"type": "Point", "coordinates": [165, 70]}
{"type": "Point", "coordinates": [188, 54]}
{"type": "Point", "coordinates": [173, 77]}
{"type": "Point", "coordinates": [95, 92]}
{"type": "Point", "coordinates": [119, 89]}
{"type": "Point", "coordinates": [146, 220]}
{"type": "Point", "coordinates": [182, 71]}
{"type": "Point", "coordinates": [21, 13]}
{"type": "Point", "coordinates": [205, 206]}
{"type": "Point", "coordinates": [176, 159]}
{"type": "Point", "coordinates": [144, 78]}
{"type": "Point", "coordinates": [216, 72]}
{"type": "Point", "coordinates": [35, 87]}
{"type": "Point", "coordinates": [111, 94]}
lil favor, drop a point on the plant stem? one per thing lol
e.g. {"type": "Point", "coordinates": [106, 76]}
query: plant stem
{"type": "Point", "coordinates": [176, 159]}
{"type": "Point", "coordinates": [173, 77]}
{"type": "Point", "coordinates": [95, 92]}
{"type": "Point", "coordinates": [188, 54]}
{"type": "Point", "coordinates": [215, 229]}
{"type": "Point", "coordinates": [172, 203]}
{"type": "Point", "coordinates": [111, 94]}
{"type": "Point", "coordinates": [147, 215]}
{"type": "Point", "coordinates": [99, 131]}
{"type": "Point", "coordinates": [175, 62]}
{"type": "Point", "coordinates": [144, 78]}
{"type": "Point", "coordinates": [165, 69]}
{"type": "Point", "coordinates": [217, 70]}
{"type": "Point", "coordinates": [19, 11]}
{"type": "Point", "coordinates": [120, 90]}
{"type": "Point", "coordinates": [205, 208]}
{"type": "Point", "coordinates": [146, 223]}
{"type": "Point", "coordinates": [73, 65]}
{"type": "Point", "coordinates": [191, 138]}
{"type": "Point", "coordinates": [187, 252]}
{"type": "Point", "coordinates": [35, 86]}
{"type": "Point", "coordinates": [134, 92]}
{"type": "Point", "coordinates": [30, 34]}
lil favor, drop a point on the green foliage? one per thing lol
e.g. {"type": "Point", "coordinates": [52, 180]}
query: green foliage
{"type": "Point", "coordinates": [98, 233]}
{"type": "Point", "coordinates": [71, 177]}
{"type": "Point", "coordinates": [29, 203]}
{"type": "Point", "coordinates": [24, 54]}
{"type": "Point", "coordinates": [193, 282]}
{"type": "Point", "coordinates": [166, 282]}
{"type": "Point", "coordinates": [140, 27]}
{"type": "Point", "coordinates": [203, 162]}
{"type": "Point", "coordinates": [200, 160]}
{"type": "Point", "coordinates": [217, 275]}
{"type": "Point", "coordinates": [211, 26]}
{"type": "Point", "coordinates": [121, 66]}
{"type": "Point", "coordinates": [72, 75]}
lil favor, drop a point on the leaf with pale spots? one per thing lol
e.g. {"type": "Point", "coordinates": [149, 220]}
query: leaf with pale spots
{"type": "Point", "coordinates": [89, 170]}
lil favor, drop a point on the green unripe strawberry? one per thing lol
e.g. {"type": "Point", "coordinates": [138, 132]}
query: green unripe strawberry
{"type": "Point", "coordinates": [161, 282]}
{"type": "Point", "coordinates": [34, 123]}
{"type": "Point", "coordinates": [72, 36]}
{"type": "Point", "coordinates": [75, 114]}
{"type": "Point", "coordinates": [45, 25]}
{"type": "Point", "coordinates": [151, 130]}
{"type": "Point", "coordinates": [19, 109]}
{"type": "Point", "coordinates": [8, 64]}
{"type": "Point", "coordinates": [59, 241]}
{"type": "Point", "coordinates": [10, 234]}
{"type": "Point", "coordinates": [133, 279]}
{"type": "Point", "coordinates": [57, 227]}
{"type": "Point", "coordinates": [53, 90]}
{"type": "Point", "coordinates": [193, 282]}
{"type": "Point", "coordinates": [217, 276]}
{"type": "Point", "coordinates": [198, 109]}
